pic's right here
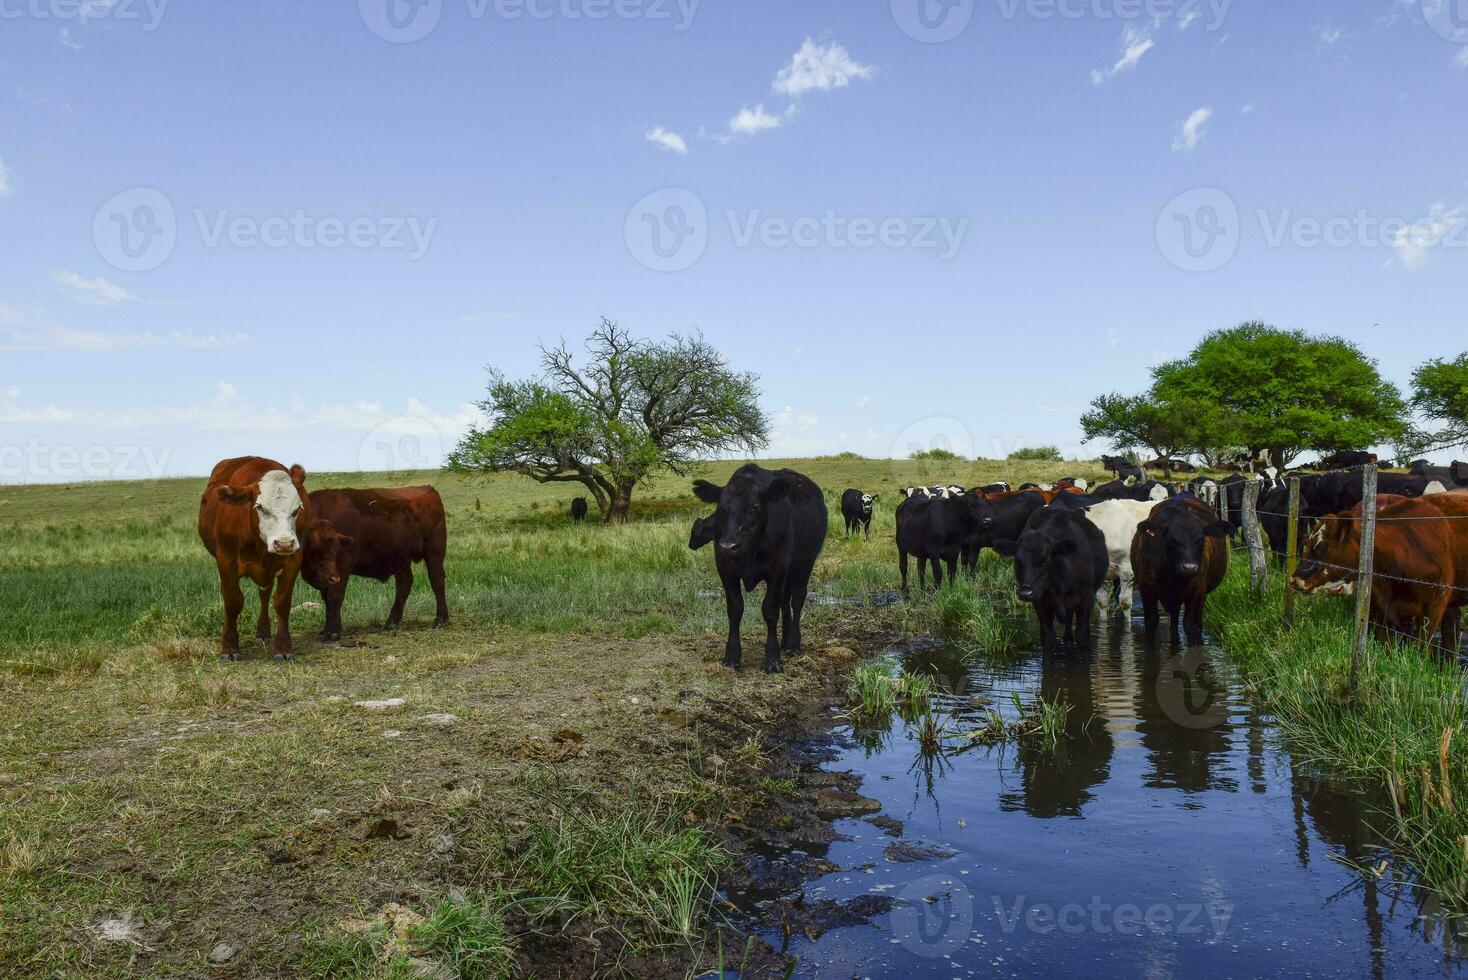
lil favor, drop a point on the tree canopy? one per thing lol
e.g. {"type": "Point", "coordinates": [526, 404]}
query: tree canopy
{"type": "Point", "coordinates": [634, 408]}
{"type": "Point", "coordinates": [1280, 392]}
{"type": "Point", "coordinates": [1169, 430]}
{"type": "Point", "coordinates": [1440, 394]}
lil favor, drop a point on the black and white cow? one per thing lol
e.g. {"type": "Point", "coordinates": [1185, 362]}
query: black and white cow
{"type": "Point", "coordinates": [1122, 467]}
{"type": "Point", "coordinates": [856, 510]}
{"type": "Point", "coordinates": [1347, 459]}
{"type": "Point", "coordinates": [769, 527]}
{"type": "Point", "coordinates": [1452, 477]}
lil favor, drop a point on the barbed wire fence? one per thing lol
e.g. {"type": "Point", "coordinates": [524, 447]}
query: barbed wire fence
{"type": "Point", "coordinates": [1259, 550]}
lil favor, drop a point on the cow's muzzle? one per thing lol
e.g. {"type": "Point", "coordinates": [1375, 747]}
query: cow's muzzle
{"type": "Point", "coordinates": [1189, 568]}
{"type": "Point", "coordinates": [284, 546]}
{"type": "Point", "coordinates": [729, 547]}
{"type": "Point", "coordinates": [1025, 593]}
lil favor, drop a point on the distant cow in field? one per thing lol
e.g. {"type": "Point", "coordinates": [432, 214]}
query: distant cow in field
{"type": "Point", "coordinates": [1000, 487]}
{"type": "Point", "coordinates": [1170, 465]}
{"type": "Point", "coordinates": [1060, 565]}
{"type": "Point", "coordinates": [375, 534]}
{"type": "Point", "coordinates": [578, 509]}
{"type": "Point", "coordinates": [856, 510]}
{"type": "Point", "coordinates": [940, 531]}
{"type": "Point", "coordinates": [1347, 459]}
{"type": "Point", "coordinates": [1122, 467]}
{"type": "Point", "coordinates": [769, 527]}
{"type": "Point", "coordinates": [1131, 489]}
{"type": "Point", "coordinates": [1179, 555]}
{"type": "Point", "coordinates": [1451, 477]}
{"type": "Point", "coordinates": [1421, 563]}
{"type": "Point", "coordinates": [252, 518]}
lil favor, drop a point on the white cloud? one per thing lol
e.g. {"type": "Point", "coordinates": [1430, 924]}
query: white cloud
{"type": "Point", "coordinates": [1249, 109]}
{"type": "Point", "coordinates": [1414, 245]}
{"type": "Point", "coordinates": [1461, 60]}
{"type": "Point", "coordinates": [1190, 130]}
{"type": "Point", "coordinates": [1187, 18]}
{"type": "Point", "coordinates": [96, 291]}
{"type": "Point", "coordinates": [668, 140]}
{"type": "Point", "coordinates": [21, 332]}
{"type": "Point", "coordinates": [4, 179]}
{"type": "Point", "coordinates": [750, 121]}
{"type": "Point", "coordinates": [1327, 35]}
{"type": "Point", "coordinates": [68, 41]}
{"type": "Point", "coordinates": [1135, 42]}
{"type": "Point", "coordinates": [226, 410]}
{"type": "Point", "coordinates": [819, 68]}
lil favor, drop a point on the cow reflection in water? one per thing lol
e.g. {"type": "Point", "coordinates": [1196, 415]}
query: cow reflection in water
{"type": "Point", "coordinates": [1057, 782]}
{"type": "Point", "coordinates": [1183, 722]}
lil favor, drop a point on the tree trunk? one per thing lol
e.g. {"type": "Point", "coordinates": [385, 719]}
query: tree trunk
{"type": "Point", "coordinates": [619, 506]}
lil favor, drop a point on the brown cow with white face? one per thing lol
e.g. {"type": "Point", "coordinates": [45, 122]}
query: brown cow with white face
{"type": "Point", "coordinates": [1421, 563]}
{"type": "Point", "coordinates": [252, 519]}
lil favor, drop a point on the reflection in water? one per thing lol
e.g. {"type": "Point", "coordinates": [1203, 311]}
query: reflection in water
{"type": "Point", "coordinates": [1175, 797]}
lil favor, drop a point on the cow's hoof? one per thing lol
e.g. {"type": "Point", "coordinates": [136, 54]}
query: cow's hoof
{"type": "Point", "coordinates": [733, 663]}
{"type": "Point", "coordinates": [330, 637]}
{"type": "Point", "coordinates": [389, 627]}
{"type": "Point", "coordinates": [439, 624]}
{"type": "Point", "coordinates": [229, 657]}
{"type": "Point", "coordinates": [281, 658]}
{"type": "Point", "coordinates": [774, 668]}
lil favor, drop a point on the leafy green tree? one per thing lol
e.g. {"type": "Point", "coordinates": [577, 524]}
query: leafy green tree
{"type": "Point", "coordinates": [1130, 422]}
{"type": "Point", "coordinates": [1283, 391]}
{"type": "Point", "coordinates": [1045, 454]}
{"type": "Point", "coordinates": [936, 454]}
{"type": "Point", "coordinates": [1440, 394]}
{"type": "Point", "coordinates": [635, 408]}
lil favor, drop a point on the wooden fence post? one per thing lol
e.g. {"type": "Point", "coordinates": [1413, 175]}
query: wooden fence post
{"type": "Point", "coordinates": [1254, 538]}
{"type": "Point", "coordinates": [1292, 551]}
{"type": "Point", "coordinates": [1363, 579]}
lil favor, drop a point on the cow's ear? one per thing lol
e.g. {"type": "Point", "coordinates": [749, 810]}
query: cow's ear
{"type": "Point", "coordinates": [1007, 548]}
{"type": "Point", "coordinates": [343, 539]}
{"type": "Point", "coordinates": [1147, 528]}
{"type": "Point", "coordinates": [237, 495]}
{"type": "Point", "coordinates": [298, 475]}
{"type": "Point", "coordinates": [707, 492]}
{"type": "Point", "coordinates": [875, 496]}
{"type": "Point", "coordinates": [702, 534]}
{"type": "Point", "coordinates": [1218, 529]}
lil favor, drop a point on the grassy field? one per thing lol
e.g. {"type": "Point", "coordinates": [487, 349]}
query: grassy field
{"type": "Point", "coordinates": [543, 786]}
{"type": "Point", "coordinates": [157, 803]}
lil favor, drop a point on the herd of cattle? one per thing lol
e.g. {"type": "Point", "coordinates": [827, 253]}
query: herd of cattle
{"type": "Point", "coordinates": [1076, 548]}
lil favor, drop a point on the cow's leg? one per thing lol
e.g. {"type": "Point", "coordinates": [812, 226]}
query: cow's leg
{"type": "Point", "coordinates": [434, 564]}
{"type": "Point", "coordinates": [283, 592]}
{"type": "Point", "coordinates": [234, 602]}
{"type": "Point", "coordinates": [774, 591]}
{"type": "Point", "coordinates": [953, 568]}
{"type": "Point", "coordinates": [405, 586]}
{"type": "Point", "coordinates": [262, 624]}
{"type": "Point", "coordinates": [1150, 615]}
{"type": "Point", "coordinates": [937, 564]}
{"type": "Point", "coordinates": [796, 606]}
{"type": "Point", "coordinates": [1083, 627]}
{"type": "Point", "coordinates": [1452, 635]}
{"type": "Point", "coordinates": [867, 528]}
{"type": "Point", "coordinates": [902, 564]}
{"type": "Point", "coordinates": [1124, 591]}
{"type": "Point", "coordinates": [922, 572]}
{"type": "Point", "coordinates": [333, 598]}
{"type": "Point", "coordinates": [787, 622]}
{"type": "Point", "coordinates": [1047, 630]}
{"type": "Point", "coordinates": [1193, 621]}
{"type": "Point", "coordinates": [1174, 617]}
{"type": "Point", "coordinates": [734, 606]}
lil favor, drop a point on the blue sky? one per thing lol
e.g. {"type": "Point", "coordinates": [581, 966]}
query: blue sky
{"type": "Point", "coordinates": [962, 225]}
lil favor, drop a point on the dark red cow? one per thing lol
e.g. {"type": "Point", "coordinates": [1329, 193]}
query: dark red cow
{"type": "Point", "coordinates": [1421, 563]}
{"type": "Point", "coordinates": [375, 534]}
{"type": "Point", "coordinates": [252, 518]}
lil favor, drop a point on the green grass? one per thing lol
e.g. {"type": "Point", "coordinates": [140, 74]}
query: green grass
{"type": "Point", "coordinates": [1402, 737]}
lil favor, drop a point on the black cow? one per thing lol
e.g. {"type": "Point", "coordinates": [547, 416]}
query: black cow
{"type": "Point", "coordinates": [856, 510]}
{"type": "Point", "coordinates": [1179, 555]}
{"type": "Point", "coordinates": [1170, 465]}
{"type": "Point", "coordinates": [1000, 487]}
{"type": "Point", "coordinates": [1060, 563]}
{"type": "Point", "coordinates": [913, 533]}
{"type": "Point", "coordinates": [769, 527]}
{"type": "Point", "coordinates": [956, 529]}
{"type": "Point", "coordinates": [1136, 489]}
{"type": "Point", "coordinates": [1346, 459]}
{"type": "Point", "coordinates": [1006, 518]}
{"type": "Point", "coordinates": [1330, 493]}
{"type": "Point", "coordinates": [1122, 467]}
{"type": "Point", "coordinates": [578, 509]}
{"type": "Point", "coordinates": [1451, 477]}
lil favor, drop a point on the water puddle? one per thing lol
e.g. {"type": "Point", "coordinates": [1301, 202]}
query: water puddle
{"type": "Point", "coordinates": [1168, 832]}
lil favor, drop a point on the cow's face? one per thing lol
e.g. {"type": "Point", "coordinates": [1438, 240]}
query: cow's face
{"type": "Point", "coordinates": [1332, 552]}
{"type": "Point", "coordinates": [743, 505]}
{"type": "Point", "coordinates": [705, 530]}
{"type": "Point", "coordinates": [1034, 563]}
{"type": "Point", "coordinates": [322, 560]}
{"type": "Point", "coordinates": [866, 504]}
{"type": "Point", "coordinates": [1177, 542]}
{"type": "Point", "coordinates": [277, 508]}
